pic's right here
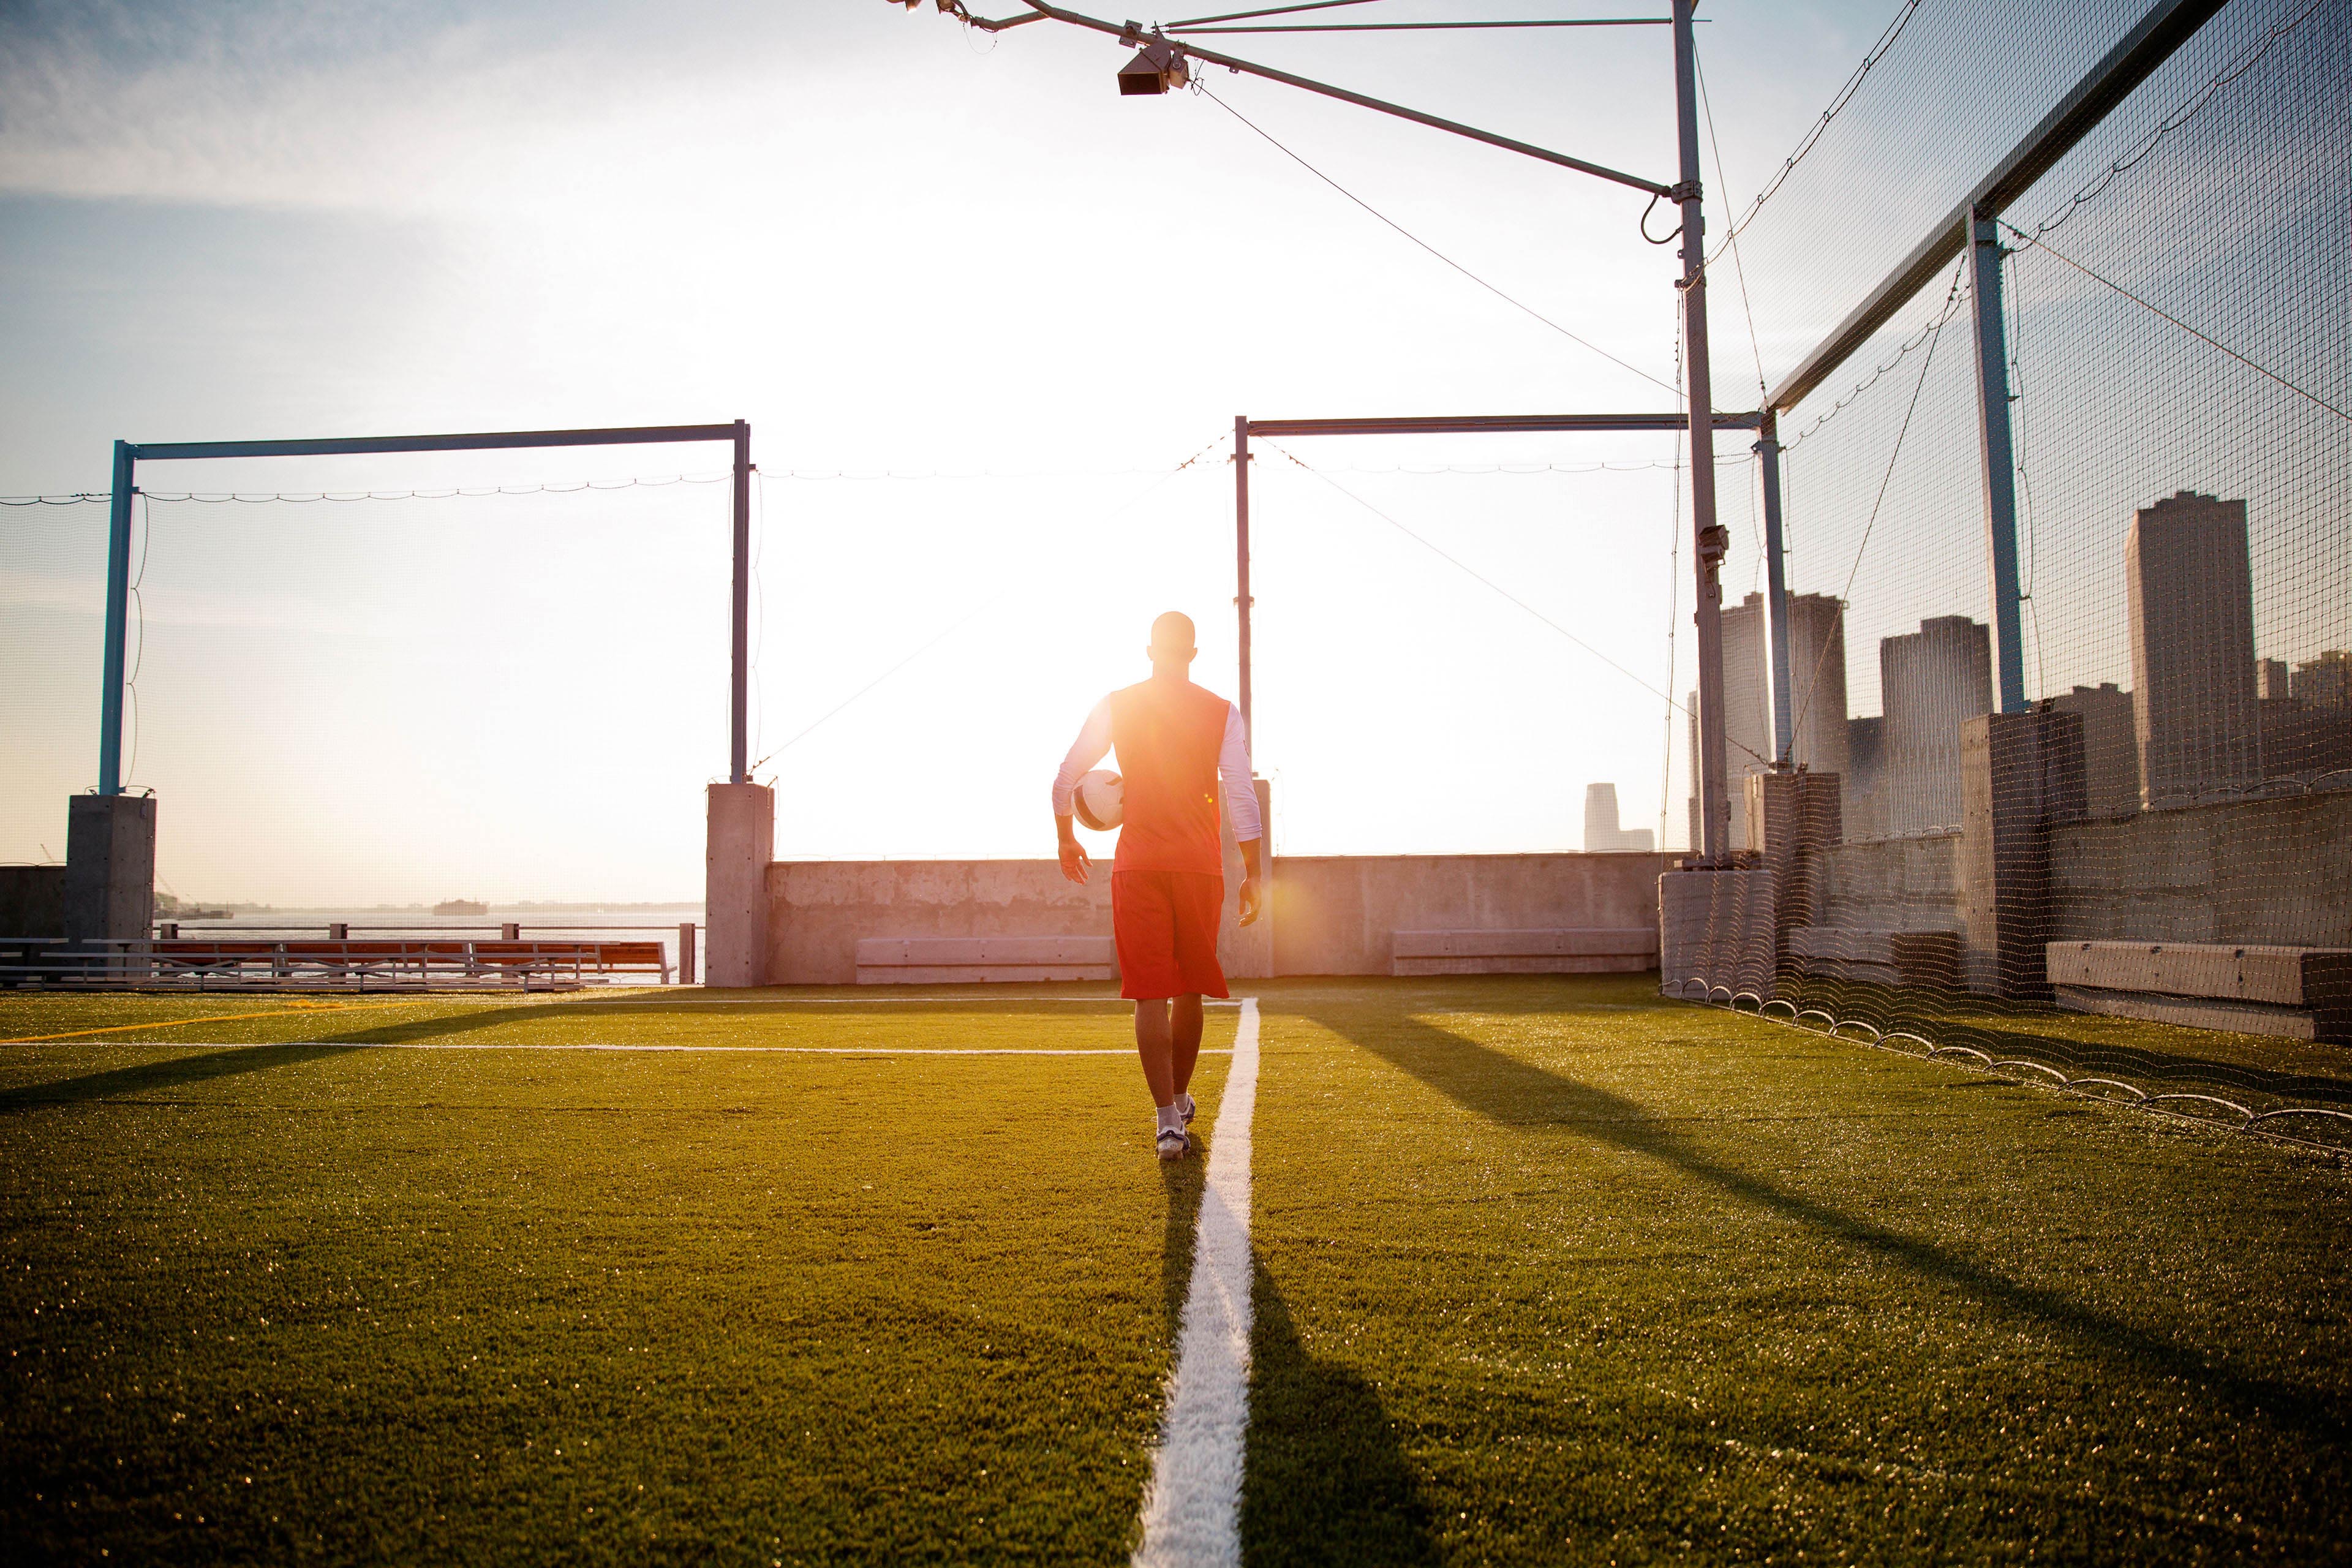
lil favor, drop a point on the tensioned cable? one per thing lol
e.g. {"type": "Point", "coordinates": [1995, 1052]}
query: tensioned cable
{"type": "Point", "coordinates": [2045, 247]}
{"type": "Point", "coordinates": [1884, 479]}
{"type": "Point", "coordinates": [1516, 304]}
{"type": "Point", "coordinates": [975, 612]}
{"type": "Point", "coordinates": [303, 498]}
{"type": "Point", "coordinates": [1270, 11]}
{"type": "Point", "coordinates": [1431, 26]}
{"type": "Point", "coordinates": [1674, 621]}
{"type": "Point", "coordinates": [1472, 572]}
{"type": "Point", "coordinates": [1738, 271]}
{"type": "Point", "coordinates": [1501, 466]}
{"type": "Point", "coordinates": [2244, 61]}
{"type": "Point", "coordinates": [1926, 334]}
{"type": "Point", "coordinates": [1837, 106]}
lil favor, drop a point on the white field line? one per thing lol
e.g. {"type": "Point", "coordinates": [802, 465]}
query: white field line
{"type": "Point", "coordinates": [588, 1045]}
{"type": "Point", "coordinates": [1191, 1508]}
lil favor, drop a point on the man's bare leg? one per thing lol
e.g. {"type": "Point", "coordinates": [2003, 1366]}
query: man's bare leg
{"type": "Point", "coordinates": [1157, 1050]}
{"type": "Point", "coordinates": [1186, 1040]}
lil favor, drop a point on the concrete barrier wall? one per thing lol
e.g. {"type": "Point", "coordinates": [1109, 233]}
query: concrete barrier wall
{"type": "Point", "coordinates": [1892, 884]}
{"type": "Point", "coordinates": [2260, 871]}
{"type": "Point", "coordinates": [1331, 915]}
{"type": "Point", "coordinates": [2270, 871]}
{"type": "Point", "coordinates": [32, 900]}
{"type": "Point", "coordinates": [820, 910]}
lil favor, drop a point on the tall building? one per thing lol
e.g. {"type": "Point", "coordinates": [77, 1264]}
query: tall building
{"type": "Point", "coordinates": [2308, 734]}
{"type": "Point", "coordinates": [2194, 706]}
{"type": "Point", "coordinates": [1932, 680]}
{"type": "Point", "coordinates": [1602, 832]}
{"type": "Point", "coordinates": [1864, 789]}
{"type": "Point", "coordinates": [2272, 680]}
{"type": "Point", "coordinates": [1817, 680]}
{"type": "Point", "coordinates": [2325, 684]}
{"type": "Point", "coordinates": [2110, 747]}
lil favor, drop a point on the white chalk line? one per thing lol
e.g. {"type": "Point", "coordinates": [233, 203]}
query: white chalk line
{"type": "Point", "coordinates": [593, 1046]}
{"type": "Point", "coordinates": [1192, 1507]}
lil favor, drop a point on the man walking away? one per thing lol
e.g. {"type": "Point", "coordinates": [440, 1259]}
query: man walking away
{"type": "Point", "coordinates": [1168, 881]}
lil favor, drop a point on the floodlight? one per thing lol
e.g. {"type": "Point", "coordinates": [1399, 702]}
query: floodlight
{"type": "Point", "coordinates": [1156, 68]}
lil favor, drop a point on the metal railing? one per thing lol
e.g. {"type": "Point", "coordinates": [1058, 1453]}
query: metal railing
{"type": "Point", "coordinates": [377, 958]}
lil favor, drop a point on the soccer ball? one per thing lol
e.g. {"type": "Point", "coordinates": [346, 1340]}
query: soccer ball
{"type": "Point", "coordinates": [1101, 800]}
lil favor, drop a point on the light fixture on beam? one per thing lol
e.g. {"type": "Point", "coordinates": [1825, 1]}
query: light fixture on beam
{"type": "Point", "coordinates": [1156, 66]}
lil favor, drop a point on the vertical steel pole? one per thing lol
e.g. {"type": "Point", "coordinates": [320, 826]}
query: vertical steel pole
{"type": "Point", "coordinates": [1999, 460]}
{"type": "Point", "coordinates": [739, 732]}
{"type": "Point", "coordinates": [118, 616]}
{"type": "Point", "coordinates": [1241, 565]}
{"type": "Point", "coordinates": [1713, 540]}
{"type": "Point", "coordinates": [1776, 588]}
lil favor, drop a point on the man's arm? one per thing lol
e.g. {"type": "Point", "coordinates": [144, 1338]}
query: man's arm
{"type": "Point", "coordinates": [1092, 745]}
{"type": "Point", "coordinates": [1241, 810]}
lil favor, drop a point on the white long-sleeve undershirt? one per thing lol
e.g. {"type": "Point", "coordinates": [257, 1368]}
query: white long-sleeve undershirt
{"type": "Point", "coordinates": [1093, 744]}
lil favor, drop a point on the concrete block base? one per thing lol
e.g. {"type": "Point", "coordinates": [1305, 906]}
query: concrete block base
{"type": "Point", "coordinates": [109, 887]}
{"type": "Point", "coordinates": [742, 841]}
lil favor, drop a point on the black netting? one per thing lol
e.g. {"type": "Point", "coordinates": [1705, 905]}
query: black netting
{"type": "Point", "coordinates": [2143, 870]}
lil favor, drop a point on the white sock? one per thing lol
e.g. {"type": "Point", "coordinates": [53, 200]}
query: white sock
{"type": "Point", "coordinates": [1185, 1104]}
{"type": "Point", "coordinates": [1172, 1119]}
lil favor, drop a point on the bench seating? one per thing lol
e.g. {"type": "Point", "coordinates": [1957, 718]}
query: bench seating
{"type": "Point", "coordinates": [979, 960]}
{"type": "Point", "coordinates": [2299, 993]}
{"type": "Point", "coordinates": [1572, 950]}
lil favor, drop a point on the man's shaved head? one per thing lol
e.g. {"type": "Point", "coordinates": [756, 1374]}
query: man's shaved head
{"type": "Point", "coordinates": [1171, 634]}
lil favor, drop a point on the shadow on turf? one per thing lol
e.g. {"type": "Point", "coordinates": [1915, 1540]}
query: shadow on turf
{"type": "Point", "coordinates": [1325, 1479]}
{"type": "Point", "coordinates": [177, 1072]}
{"type": "Point", "coordinates": [1519, 1094]}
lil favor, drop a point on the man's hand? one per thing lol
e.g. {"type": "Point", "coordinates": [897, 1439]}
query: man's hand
{"type": "Point", "coordinates": [1253, 896]}
{"type": "Point", "coordinates": [1075, 862]}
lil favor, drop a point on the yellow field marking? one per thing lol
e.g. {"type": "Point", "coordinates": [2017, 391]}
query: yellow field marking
{"type": "Point", "coordinates": [223, 1018]}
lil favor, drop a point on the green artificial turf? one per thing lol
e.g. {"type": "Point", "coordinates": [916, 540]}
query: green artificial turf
{"type": "Point", "coordinates": [1548, 1270]}
{"type": "Point", "coordinates": [307, 1303]}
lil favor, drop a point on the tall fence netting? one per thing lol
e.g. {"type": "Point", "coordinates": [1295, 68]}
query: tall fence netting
{"type": "Point", "coordinates": [2160, 837]}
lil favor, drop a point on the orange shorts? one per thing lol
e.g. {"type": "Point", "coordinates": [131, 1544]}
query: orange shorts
{"type": "Point", "coordinates": [1165, 923]}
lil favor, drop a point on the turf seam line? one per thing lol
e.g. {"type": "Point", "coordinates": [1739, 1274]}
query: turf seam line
{"type": "Point", "coordinates": [1192, 1507]}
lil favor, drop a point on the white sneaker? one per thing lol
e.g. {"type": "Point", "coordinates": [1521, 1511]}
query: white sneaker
{"type": "Point", "coordinates": [1184, 1102]}
{"type": "Point", "coordinates": [1174, 1143]}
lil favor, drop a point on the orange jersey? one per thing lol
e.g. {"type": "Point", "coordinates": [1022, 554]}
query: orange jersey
{"type": "Point", "coordinates": [1167, 734]}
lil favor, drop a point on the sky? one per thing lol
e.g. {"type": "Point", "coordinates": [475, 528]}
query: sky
{"type": "Point", "coordinates": [978, 309]}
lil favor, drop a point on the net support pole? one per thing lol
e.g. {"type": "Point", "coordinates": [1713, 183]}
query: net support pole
{"type": "Point", "coordinates": [1999, 460]}
{"type": "Point", "coordinates": [117, 617]}
{"type": "Point", "coordinates": [1712, 539]}
{"type": "Point", "coordinates": [738, 737]}
{"type": "Point", "coordinates": [1776, 588]}
{"type": "Point", "coordinates": [1241, 565]}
